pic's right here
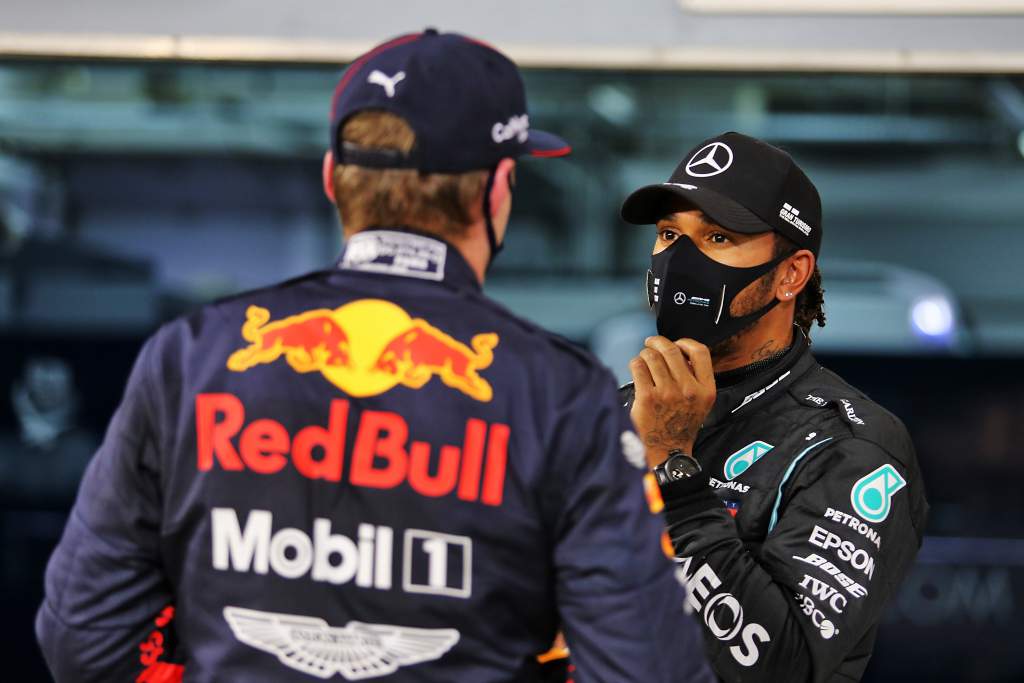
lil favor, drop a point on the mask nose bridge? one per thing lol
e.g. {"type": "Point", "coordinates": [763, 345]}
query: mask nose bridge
{"type": "Point", "coordinates": [678, 241]}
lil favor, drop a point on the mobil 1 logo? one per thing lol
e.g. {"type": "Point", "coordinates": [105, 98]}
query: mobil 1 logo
{"type": "Point", "coordinates": [437, 564]}
{"type": "Point", "coordinates": [433, 563]}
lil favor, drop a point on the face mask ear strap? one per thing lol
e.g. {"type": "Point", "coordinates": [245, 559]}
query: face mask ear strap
{"type": "Point", "coordinates": [757, 272]}
{"type": "Point", "coordinates": [750, 318]}
{"type": "Point", "coordinates": [492, 234]}
{"type": "Point", "coordinates": [765, 268]}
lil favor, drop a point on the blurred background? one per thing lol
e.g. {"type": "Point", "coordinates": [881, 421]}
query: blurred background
{"type": "Point", "coordinates": [155, 158]}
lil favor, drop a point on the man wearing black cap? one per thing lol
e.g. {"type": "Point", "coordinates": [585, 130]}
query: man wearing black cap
{"type": "Point", "coordinates": [794, 503]}
{"type": "Point", "coordinates": [373, 471]}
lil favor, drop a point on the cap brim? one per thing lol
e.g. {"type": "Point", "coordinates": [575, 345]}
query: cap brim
{"type": "Point", "coordinates": [651, 203]}
{"type": "Point", "coordinates": [544, 144]}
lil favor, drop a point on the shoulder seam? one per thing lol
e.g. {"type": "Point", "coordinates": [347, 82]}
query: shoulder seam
{"type": "Point", "coordinates": [259, 290]}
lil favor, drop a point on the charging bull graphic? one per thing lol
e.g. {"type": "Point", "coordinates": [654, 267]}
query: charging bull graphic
{"type": "Point", "coordinates": [365, 348]}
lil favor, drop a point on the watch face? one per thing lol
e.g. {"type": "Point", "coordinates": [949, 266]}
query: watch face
{"type": "Point", "coordinates": [681, 467]}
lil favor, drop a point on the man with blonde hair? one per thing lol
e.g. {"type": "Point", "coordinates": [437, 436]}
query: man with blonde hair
{"type": "Point", "coordinates": [373, 470]}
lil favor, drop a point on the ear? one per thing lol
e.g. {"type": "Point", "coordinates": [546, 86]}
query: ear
{"type": "Point", "coordinates": [501, 188]}
{"type": "Point", "coordinates": [327, 173]}
{"type": "Point", "coordinates": [796, 271]}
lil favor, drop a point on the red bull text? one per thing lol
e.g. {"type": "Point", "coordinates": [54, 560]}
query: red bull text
{"type": "Point", "coordinates": [382, 455]}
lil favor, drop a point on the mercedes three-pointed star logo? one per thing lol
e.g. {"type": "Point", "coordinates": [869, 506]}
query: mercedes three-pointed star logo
{"type": "Point", "coordinates": [710, 160]}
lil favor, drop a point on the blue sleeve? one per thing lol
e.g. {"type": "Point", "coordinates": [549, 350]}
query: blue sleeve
{"type": "Point", "coordinates": [104, 582]}
{"type": "Point", "coordinates": [621, 605]}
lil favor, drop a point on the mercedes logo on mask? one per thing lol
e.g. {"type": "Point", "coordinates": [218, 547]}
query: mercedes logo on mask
{"type": "Point", "coordinates": [710, 160]}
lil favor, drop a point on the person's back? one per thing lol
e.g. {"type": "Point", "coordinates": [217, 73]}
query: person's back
{"type": "Point", "coordinates": [370, 471]}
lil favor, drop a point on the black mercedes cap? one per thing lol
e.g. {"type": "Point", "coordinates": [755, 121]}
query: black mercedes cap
{"type": "Point", "coordinates": [742, 184]}
{"type": "Point", "coordinates": [464, 100]}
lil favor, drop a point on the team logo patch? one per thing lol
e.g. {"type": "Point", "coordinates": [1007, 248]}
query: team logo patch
{"type": "Point", "coordinates": [872, 495]}
{"type": "Point", "coordinates": [365, 348]}
{"type": "Point", "coordinates": [356, 651]}
{"type": "Point", "coordinates": [742, 460]}
{"type": "Point", "coordinates": [710, 160]}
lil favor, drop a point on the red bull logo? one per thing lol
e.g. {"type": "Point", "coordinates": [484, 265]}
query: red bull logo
{"type": "Point", "coordinates": [367, 347]}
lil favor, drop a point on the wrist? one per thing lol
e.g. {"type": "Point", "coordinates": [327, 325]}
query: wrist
{"type": "Point", "coordinates": [658, 455]}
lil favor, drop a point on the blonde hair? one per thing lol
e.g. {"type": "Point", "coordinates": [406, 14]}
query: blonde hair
{"type": "Point", "coordinates": [442, 203]}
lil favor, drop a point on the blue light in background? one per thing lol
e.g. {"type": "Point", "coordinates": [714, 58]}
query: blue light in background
{"type": "Point", "coordinates": [933, 317]}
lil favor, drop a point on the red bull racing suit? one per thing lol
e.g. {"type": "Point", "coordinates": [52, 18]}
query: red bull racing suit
{"type": "Point", "coordinates": [368, 472]}
{"type": "Point", "coordinates": [807, 515]}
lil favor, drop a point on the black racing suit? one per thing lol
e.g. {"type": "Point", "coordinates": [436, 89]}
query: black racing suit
{"type": "Point", "coordinates": [807, 515]}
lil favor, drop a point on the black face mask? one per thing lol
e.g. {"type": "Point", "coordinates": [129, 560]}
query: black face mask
{"type": "Point", "coordinates": [691, 293]}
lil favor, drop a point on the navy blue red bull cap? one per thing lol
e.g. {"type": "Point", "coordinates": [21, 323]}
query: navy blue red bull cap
{"type": "Point", "coordinates": [464, 100]}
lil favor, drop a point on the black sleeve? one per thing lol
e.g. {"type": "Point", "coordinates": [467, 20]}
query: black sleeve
{"type": "Point", "coordinates": [104, 582]}
{"type": "Point", "coordinates": [820, 581]}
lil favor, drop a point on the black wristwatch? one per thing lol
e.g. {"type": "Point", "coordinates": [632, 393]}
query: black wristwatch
{"type": "Point", "coordinates": [678, 466]}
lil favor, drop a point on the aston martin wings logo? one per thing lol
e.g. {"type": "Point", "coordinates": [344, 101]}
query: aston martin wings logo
{"type": "Point", "coordinates": [356, 651]}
